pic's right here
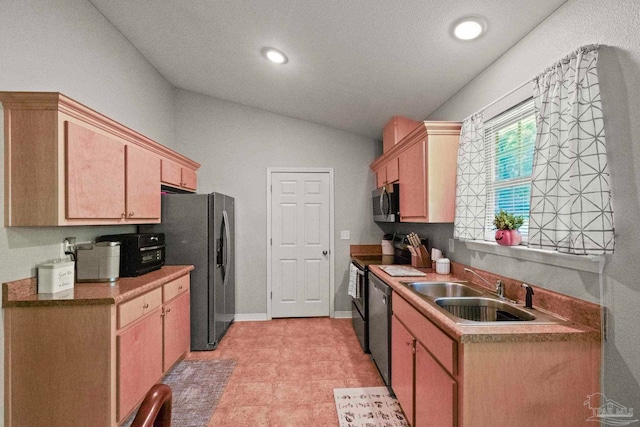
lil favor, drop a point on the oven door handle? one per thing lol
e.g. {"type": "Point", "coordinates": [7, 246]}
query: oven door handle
{"type": "Point", "coordinates": [151, 248]}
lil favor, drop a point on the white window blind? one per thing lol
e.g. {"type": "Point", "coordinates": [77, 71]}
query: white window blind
{"type": "Point", "coordinates": [509, 141]}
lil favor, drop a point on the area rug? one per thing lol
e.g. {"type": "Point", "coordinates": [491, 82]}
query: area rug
{"type": "Point", "coordinates": [196, 386]}
{"type": "Point", "coordinates": [368, 407]}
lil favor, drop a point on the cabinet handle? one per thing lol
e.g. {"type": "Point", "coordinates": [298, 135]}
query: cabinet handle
{"type": "Point", "coordinates": [145, 306]}
{"type": "Point", "coordinates": [179, 287]}
{"type": "Point", "coordinates": [168, 310]}
{"type": "Point", "coordinates": [130, 214]}
{"type": "Point", "coordinates": [123, 215]}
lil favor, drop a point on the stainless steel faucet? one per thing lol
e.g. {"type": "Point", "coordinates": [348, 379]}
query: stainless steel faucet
{"type": "Point", "coordinates": [499, 285]}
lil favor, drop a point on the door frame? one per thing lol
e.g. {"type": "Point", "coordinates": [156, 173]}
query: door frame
{"type": "Point", "coordinates": [270, 172]}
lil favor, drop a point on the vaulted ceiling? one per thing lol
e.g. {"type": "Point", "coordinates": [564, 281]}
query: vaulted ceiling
{"type": "Point", "coordinates": [352, 63]}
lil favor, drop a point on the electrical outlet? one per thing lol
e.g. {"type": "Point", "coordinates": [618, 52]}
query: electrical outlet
{"type": "Point", "coordinates": [345, 235]}
{"type": "Point", "coordinates": [451, 245]}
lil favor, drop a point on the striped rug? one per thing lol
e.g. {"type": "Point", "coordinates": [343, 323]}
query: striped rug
{"type": "Point", "coordinates": [196, 386]}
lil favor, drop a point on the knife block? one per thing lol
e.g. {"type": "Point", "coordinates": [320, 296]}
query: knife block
{"type": "Point", "coordinates": [420, 258]}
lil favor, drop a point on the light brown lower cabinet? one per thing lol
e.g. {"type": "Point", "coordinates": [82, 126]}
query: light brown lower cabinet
{"type": "Point", "coordinates": [424, 389]}
{"type": "Point", "coordinates": [91, 364]}
{"type": "Point", "coordinates": [441, 382]}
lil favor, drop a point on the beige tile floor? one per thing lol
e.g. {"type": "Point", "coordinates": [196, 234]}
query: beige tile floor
{"type": "Point", "coordinates": [286, 370]}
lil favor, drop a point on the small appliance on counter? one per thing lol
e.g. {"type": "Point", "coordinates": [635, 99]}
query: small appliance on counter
{"type": "Point", "coordinates": [140, 253]}
{"type": "Point", "coordinates": [98, 262]}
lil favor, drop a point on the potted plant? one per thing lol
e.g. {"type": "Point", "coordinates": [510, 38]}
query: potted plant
{"type": "Point", "coordinates": [507, 225]}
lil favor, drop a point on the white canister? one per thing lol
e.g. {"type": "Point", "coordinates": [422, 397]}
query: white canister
{"type": "Point", "coordinates": [387, 247]}
{"type": "Point", "coordinates": [443, 266]}
{"type": "Point", "coordinates": [55, 277]}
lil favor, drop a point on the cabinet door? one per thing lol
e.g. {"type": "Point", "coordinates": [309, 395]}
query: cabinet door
{"type": "Point", "coordinates": [442, 155]}
{"type": "Point", "coordinates": [381, 177]}
{"type": "Point", "coordinates": [143, 184]}
{"type": "Point", "coordinates": [139, 361]}
{"type": "Point", "coordinates": [177, 327]}
{"type": "Point", "coordinates": [413, 183]}
{"type": "Point", "coordinates": [402, 366]}
{"type": "Point", "coordinates": [436, 398]}
{"type": "Point", "coordinates": [189, 179]}
{"type": "Point", "coordinates": [95, 174]}
{"type": "Point", "coordinates": [171, 173]}
{"type": "Point", "coordinates": [393, 171]}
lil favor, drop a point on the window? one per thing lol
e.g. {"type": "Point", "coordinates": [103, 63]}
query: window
{"type": "Point", "coordinates": [509, 140]}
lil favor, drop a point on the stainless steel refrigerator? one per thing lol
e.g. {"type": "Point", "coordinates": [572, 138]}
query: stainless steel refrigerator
{"type": "Point", "coordinates": [199, 230]}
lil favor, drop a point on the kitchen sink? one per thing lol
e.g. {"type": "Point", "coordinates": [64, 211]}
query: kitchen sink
{"type": "Point", "coordinates": [484, 310]}
{"type": "Point", "coordinates": [469, 306]}
{"type": "Point", "coordinates": [492, 311]}
{"type": "Point", "coordinates": [435, 290]}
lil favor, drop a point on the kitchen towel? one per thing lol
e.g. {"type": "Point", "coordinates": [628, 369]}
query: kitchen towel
{"type": "Point", "coordinates": [353, 276]}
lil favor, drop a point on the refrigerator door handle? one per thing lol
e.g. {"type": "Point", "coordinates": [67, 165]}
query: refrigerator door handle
{"type": "Point", "coordinates": [227, 236]}
{"type": "Point", "coordinates": [219, 260]}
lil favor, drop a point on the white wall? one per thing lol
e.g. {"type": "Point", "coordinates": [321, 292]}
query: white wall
{"type": "Point", "coordinates": [614, 25]}
{"type": "Point", "coordinates": [236, 144]}
{"type": "Point", "coordinates": [68, 46]}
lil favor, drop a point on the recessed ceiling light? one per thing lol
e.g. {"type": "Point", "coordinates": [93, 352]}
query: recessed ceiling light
{"type": "Point", "coordinates": [468, 28]}
{"type": "Point", "coordinates": [274, 55]}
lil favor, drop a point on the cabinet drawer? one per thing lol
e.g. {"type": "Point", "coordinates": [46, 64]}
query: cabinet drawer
{"type": "Point", "coordinates": [439, 344]}
{"type": "Point", "coordinates": [175, 288]}
{"type": "Point", "coordinates": [138, 307]}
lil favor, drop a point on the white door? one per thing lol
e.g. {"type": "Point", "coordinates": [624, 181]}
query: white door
{"type": "Point", "coordinates": [300, 231]}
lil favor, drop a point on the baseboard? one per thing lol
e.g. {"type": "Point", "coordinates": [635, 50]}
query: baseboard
{"type": "Point", "coordinates": [342, 314]}
{"type": "Point", "coordinates": [250, 317]}
{"type": "Point", "coordinates": [253, 317]}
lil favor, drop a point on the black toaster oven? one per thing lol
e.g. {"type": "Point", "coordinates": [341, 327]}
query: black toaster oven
{"type": "Point", "coordinates": [140, 253]}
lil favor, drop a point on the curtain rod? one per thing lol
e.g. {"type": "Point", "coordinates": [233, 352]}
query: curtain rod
{"type": "Point", "coordinates": [582, 49]}
{"type": "Point", "coordinates": [520, 86]}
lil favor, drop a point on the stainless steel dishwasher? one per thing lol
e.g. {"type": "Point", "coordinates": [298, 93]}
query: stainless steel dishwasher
{"type": "Point", "coordinates": [380, 326]}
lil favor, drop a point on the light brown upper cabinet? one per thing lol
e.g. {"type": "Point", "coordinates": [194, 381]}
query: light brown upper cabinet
{"type": "Point", "coordinates": [66, 164]}
{"type": "Point", "coordinates": [395, 130]}
{"type": "Point", "coordinates": [426, 165]}
{"type": "Point", "coordinates": [387, 173]}
{"type": "Point", "coordinates": [177, 176]}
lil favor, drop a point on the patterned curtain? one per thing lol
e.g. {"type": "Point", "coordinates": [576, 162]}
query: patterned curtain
{"type": "Point", "coordinates": [471, 197]}
{"type": "Point", "coordinates": [570, 195]}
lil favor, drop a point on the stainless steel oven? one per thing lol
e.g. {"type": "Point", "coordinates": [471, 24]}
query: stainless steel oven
{"type": "Point", "coordinates": [360, 303]}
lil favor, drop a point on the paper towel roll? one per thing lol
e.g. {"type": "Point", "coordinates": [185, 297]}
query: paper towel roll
{"type": "Point", "coordinates": [435, 254]}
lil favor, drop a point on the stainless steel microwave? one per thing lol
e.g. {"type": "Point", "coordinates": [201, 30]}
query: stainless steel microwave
{"type": "Point", "coordinates": [386, 203]}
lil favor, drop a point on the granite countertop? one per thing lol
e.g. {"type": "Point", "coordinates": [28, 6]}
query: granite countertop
{"type": "Point", "coordinates": [23, 293]}
{"type": "Point", "coordinates": [567, 331]}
